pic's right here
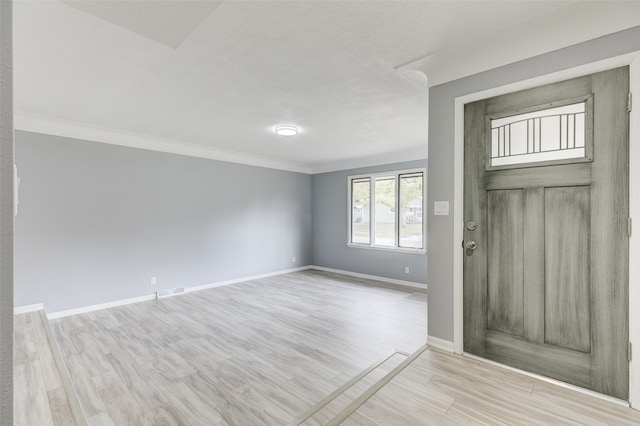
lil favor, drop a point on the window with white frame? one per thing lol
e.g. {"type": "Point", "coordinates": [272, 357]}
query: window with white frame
{"type": "Point", "coordinates": [386, 210]}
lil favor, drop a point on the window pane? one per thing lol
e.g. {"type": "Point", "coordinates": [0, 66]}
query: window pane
{"type": "Point", "coordinates": [411, 203]}
{"type": "Point", "coordinates": [551, 134]}
{"type": "Point", "coordinates": [360, 201]}
{"type": "Point", "coordinates": [385, 215]}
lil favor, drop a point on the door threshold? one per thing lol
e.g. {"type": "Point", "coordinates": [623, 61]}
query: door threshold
{"type": "Point", "coordinates": [551, 381]}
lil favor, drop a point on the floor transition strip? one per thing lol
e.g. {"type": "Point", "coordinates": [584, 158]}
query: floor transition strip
{"type": "Point", "coordinates": [67, 383]}
{"type": "Point", "coordinates": [351, 402]}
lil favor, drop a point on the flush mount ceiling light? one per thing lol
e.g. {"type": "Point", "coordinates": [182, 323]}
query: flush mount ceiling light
{"type": "Point", "coordinates": [287, 130]}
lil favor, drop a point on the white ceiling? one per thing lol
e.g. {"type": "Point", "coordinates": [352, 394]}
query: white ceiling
{"type": "Point", "coordinates": [213, 79]}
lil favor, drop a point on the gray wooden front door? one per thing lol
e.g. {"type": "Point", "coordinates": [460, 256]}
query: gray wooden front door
{"type": "Point", "coordinates": [546, 264]}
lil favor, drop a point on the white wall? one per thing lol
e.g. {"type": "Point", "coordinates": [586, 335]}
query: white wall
{"type": "Point", "coordinates": [97, 221]}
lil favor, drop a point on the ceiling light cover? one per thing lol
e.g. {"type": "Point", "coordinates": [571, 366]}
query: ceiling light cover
{"type": "Point", "coordinates": [287, 130]}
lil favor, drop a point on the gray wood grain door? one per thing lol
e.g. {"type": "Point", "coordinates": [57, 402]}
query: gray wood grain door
{"type": "Point", "coordinates": [546, 264]}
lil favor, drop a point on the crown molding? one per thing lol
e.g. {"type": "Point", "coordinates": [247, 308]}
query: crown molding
{"type": "Point", "coordinates": [53, 126]}
{"type": "Point", "coordinates": [70, 129]}
{"type": "Point", "coordinates": [378, 160]}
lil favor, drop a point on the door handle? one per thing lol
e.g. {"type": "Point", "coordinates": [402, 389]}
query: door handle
{"type": "Point", "coordinates": [471, 245]}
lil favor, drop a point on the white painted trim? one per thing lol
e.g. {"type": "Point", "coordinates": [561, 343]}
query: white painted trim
{"type": "Point", "coordinates": [71, 129]}
{"type": "Point", "coordinates": [360, 163]}
{"type": "Point", "coordinates": [372, 277]}
{"type": "Point", "coordinates": [101, 306]}
{"type": "Point", "coordinates": [550, 380]}
{"type": "Point", "coordinates": [28, 308]}
{"type": "Point", "coordinates": [634, 241]}
{"type": "Point", "coordinates": [372, 214]}
{"type": "Point", "coordinates": [244, 279]}
{"type": "Point", "coordinates": [404, 250]}
{"type": "Point", "coordinates": [53, 126]}
{"type": "Point", "coordinates": [438, 343]}
{"type": "Point", "coordinates": [458, 223]}
{"type": "Point", "coordinates": [153, 296]}
{"type": "Point", "coordinates": [631, 59]}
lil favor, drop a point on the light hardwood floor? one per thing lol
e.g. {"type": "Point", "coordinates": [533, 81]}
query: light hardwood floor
{"type": "Point", "coordinates": [337, 403]}
{"type": "Point", "coordinates": [266, 351]}
{"type": "Point", "coordinates": [254, 353]}
{"type": "Point", "coordinates": [40, 398]}
{"type": "Point", "coordinates": [444, 389]}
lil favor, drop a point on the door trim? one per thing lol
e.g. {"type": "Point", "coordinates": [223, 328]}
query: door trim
{"type": "Point", "coordinates": [631, 59]}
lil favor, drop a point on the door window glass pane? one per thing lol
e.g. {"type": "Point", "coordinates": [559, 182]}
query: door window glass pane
{"type": "Point", "coordinates": [551, 134]}
{"type": "Point", "coordinates": [411, 203]}
{"type": "Point", "coordinates": [360, 200]}
{"type": "Point", "coordinates": [385, 213]}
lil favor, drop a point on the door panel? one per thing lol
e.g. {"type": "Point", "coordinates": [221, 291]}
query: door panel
{"type": "Point", "coordinates": [567, 279]}
{"type": "Point", "coordinates": [535, 262]}
{"type": "Point", "coordinates": [569, 366]}
{"type": "Point", "coordinates": [546, 288]}
{"type": "Point", "coordinates": [505, 262]}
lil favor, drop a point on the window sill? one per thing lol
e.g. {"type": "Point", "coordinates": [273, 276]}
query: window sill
{"type": "Point", "coordinates": [391, 249]}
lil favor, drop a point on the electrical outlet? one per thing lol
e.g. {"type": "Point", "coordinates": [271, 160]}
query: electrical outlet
{"type": "Point", "coordinates": [293, 259]}
{"type": "Point", "coordinates": [154, 281]}
{"type": "Point", "coordinates": [406, 269]}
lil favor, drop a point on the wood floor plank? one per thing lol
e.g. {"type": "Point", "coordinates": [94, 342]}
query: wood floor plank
{"type": "Point", "coordinates": [165, 415]}
{"type": "Point", "coordinates": [121, 404]}
{"type": "Point", "coordinates": [90, 399]}
{"type": "Point", "coordinates": [31, 399]}
{"type": "Point", "coordinates": [136, 380]}
{"type": "Point", "coordinates": [262, 406]}
{"type": "Point", "coordinates": [25, 348]}
{"type": "Point", "coordinates": [60, 408]}
{"type": "Point", "coordinates": [357, 419]}
{"type": "Point", "coordinates": [101, 419]}
{"type": "Point", "coordinates": [231, 408]}
{"type": "Point", "coordinates": [50, 372]}
{"type": "Point", "coordinates": [193, 408]}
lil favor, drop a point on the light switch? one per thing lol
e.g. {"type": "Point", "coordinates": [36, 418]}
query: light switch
{"type": "Point", "coordinates": [441, 208]}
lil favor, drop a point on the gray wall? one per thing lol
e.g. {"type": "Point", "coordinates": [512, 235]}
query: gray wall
{"type": "Point", "coordinates": [6, 216]}
{"type": "Point", "coordinates": [441, 147]}
{"type": "Point", "coordinates": [330, 212]}
{"type": "Point", "coordinates": [96, 221]}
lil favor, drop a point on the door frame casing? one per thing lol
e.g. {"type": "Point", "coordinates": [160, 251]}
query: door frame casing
{"type": "Point", "coordinates": [633, 61]}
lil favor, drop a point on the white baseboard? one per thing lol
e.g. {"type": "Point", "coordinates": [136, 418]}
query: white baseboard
{"type": "Point", "coordinates": [28, 308]}
{"type": "Point", "coordinates": [101, 306]}
{"type": "Point", "coordinates": [243, 279]}
{"type": "Point", "coordinates": [438, 343]}
{"type": "Point", "coordinates": [152, 296]}
{"type": "Point", "coordinates": [372, 277]}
